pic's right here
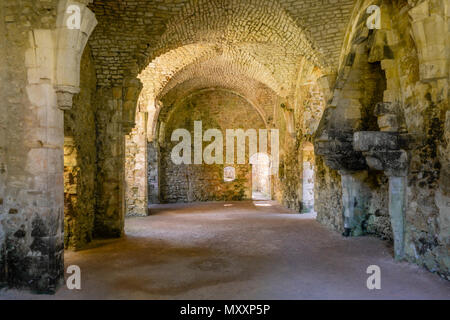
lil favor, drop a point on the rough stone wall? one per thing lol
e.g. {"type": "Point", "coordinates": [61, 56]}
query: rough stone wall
{"type": "Point", "coordinates": [378, 222]}
{"type": "Point", "coordinates": [328, 196]}
{"type": "Point", "coordinates": [80, 160]}
{"type": "Point", "coordinates": [410, 49]}
{"type": "Point", "coordinates": [360, 85]}
{"type": "Point", "coordinates": [364, 88]}
{"type": "Point", "coordinates": [424, 82]}
{"type": "Point", "coordinates": [4, 70]}
{"type": "Point", "coordinates": [38, 89]}
{"type": "Point", "coordinates": [217, 109]}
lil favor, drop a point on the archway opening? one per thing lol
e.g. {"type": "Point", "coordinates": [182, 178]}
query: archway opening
{"type": "Point", "coordinates": [308, 178]}
{"type": "Point", "coordinates": [260, 177]}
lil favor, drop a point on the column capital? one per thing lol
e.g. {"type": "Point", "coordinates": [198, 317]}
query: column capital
{"type": "Point", "coordinates": [384, 151]}
{"type": "Point", "coordinates": [64, 95]}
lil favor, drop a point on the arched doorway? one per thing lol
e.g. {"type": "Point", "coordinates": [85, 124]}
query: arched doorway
{"type": "Point", "coordinates": [308, 178]}
{"type": "Point", "coordinates": [260, 176]}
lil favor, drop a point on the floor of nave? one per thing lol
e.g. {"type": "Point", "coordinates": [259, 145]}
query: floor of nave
{"type": "Point", "coordinates": [239, 250]}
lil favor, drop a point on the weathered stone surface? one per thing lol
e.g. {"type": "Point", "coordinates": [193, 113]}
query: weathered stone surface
{"type": "Point", "coordinates": [110, 188]}
{"type": "Point", "coordinates": [80, 157]}
{"type": "Point", "coordinates": [407, 106]}
{"type": "Point", "coordinates": [31, 128]}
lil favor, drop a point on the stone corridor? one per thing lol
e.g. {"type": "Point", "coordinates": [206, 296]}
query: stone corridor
{"type": "Point", "coordinates": [125, 125]}
{"type": "Point", "coordinates": [242, 251]}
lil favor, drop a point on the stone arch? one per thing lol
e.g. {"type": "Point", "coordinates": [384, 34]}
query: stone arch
{"type": "Point", "coordinates": [271, 54]}
{"type": "Point", "coordinates": [205, 61]}
{"type": "Point", "coordinates": [267, 49]}
{"type": "Point", "coordinates": [227, 61]}
{"type": "Point", "coordinates": [196, 106]}
{"type": "Point", "coordinates": [233, 92]}
{"type": "Point", "coordinates": [228, 16]}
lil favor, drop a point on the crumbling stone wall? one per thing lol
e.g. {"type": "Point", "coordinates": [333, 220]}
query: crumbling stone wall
{"type": "Point", "coordinates": [377, 220]}
{"type": "Point", "coordinates": [80, 160]}
{"type": "Point", "coordinates": [359, 93]}
{"type": "Point", "coordinates": [423, 76]}
{"type": "Point", "coordinates": [217, 109]}
{"type": "Point", "coordinates": [410, 48]}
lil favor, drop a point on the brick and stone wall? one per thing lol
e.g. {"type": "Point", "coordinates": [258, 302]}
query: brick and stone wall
{"type": "Point", "coordinates": [217, 109]}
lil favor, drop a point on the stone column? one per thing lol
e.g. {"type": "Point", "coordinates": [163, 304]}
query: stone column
{"type": "Point", "coordinates": [397, 208]}
{"type": "Point", "coordinates": [33, 201]}
{"type": "Point", "coordinates": [384, 151]}
{"type": "Point", "coordinates": [109, 215]}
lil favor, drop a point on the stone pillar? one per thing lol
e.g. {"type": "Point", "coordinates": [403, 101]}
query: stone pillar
{"type": "Point", "coordinates": [397, 208]}
{"type": "Point", "coordinates": [385, 151]}
{"type": "Point", "coordinates": [33, 191]}
{"type": "Point", "coordinates": [109, 216]}
{"type": "Point", "coordinates": [44, 165]}
{"type": "Point", "coordinates": [115, 119]}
